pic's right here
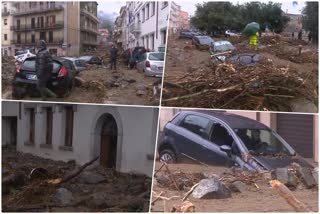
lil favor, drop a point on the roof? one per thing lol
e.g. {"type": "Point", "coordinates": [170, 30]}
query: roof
{"type": "Point", "coordinates": [233, 120]}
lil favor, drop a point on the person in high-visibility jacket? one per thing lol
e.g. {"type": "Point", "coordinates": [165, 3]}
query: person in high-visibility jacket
{"type": "Point", "coordinates": [253, 40]}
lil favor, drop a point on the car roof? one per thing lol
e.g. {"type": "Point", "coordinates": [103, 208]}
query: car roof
{"type": "Point", "coordinates": [222, 42]}
{"type": "Point", "coordinates": [69, 58]}
{"type": "Point", "coordinates": [203, 37]}
{"type": "Point", "coordinates": [233, 120]}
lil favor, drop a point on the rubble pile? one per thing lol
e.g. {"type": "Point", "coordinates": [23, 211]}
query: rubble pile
{"type": "Point", "coordinates": [94, 189]}
{"type": "Point", "coordinates": [7, 69]}
{"type": "Point", "coordinates": [259, 87]}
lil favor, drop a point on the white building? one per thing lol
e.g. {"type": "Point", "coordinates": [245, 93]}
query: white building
{"type": "Point", "coordinates": [146, 24]}
{"type": "Point", "coordinates": [174, 17]}
{"type": "Point", "coordinates": [6, 34]}
{"type": "Point", "coordinates": [123, 137]}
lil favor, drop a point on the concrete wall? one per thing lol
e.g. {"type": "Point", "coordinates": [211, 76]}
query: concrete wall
{"type": "Point", "coordinates": [137, 129]}
{"type": "Point", "coordinates": [72, 22]}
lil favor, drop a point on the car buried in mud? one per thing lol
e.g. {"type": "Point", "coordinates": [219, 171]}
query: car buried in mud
{"type": "Point", "coordinates": [220, 138]}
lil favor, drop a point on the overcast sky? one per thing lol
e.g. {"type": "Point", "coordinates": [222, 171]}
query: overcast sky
{"type": "Point", "coordinates": [110, 6]}
{"type": "Point", "coordinates": [289, 6]}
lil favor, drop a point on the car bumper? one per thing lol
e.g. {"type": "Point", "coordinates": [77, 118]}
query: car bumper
{"type": "Point", "coordinates": [150, 72]}
{"type": "Point", "coordinates": [59, 84]}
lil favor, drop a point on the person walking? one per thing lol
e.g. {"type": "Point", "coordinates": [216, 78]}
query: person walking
{"type": "Point", "coordinates": [253, 40]}
{"type": "Point", "coordinates": [44, 68]}
{"type": "Point", "coordinates": [113, 56]}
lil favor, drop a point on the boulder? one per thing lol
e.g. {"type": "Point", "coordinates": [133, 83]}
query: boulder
{"type": "Point", "coordinates": [238, 186]}
{"type": "Point", "coordinates": [315, 174]}
{"type": "Point", "coordinates": [211, 188]}
{"type": "Point", "coordinates": [163, 180]}
{"type": "Point", "coordinates": [101, 199]}
{"type": "Point", "coordinates": [306, 176]}
{"type": "Point", "coordinates": [63, 197]}
{"type": "Point", "coordinates": [91, 178]}
{"type": "Point", "coordinates": [285, 176]}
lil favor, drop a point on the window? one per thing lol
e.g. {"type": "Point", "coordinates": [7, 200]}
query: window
{"type": "Point", "coordinates": [147, 42]}
{"type": "Point", "coordinates": [220, 135]}
{"type": "Point", "coordinates": [18, 37]}
{"type": "Point", "coordinates": [50, 36]}
{"type": "Point", "coordinates": [196, 124]}
{"type": "Point", "coordinates": [143, 15]}
{"type": "Point", "coordinates": [49, 122]}
{"type": "Point", "coordinates": [17, 5]}
{"type": "Point", "coordinates": [18, 24]}
{"type": "Point", "coordinates": [69, 126]}
{"type": "Point", "coordinates": [147, 11]}
{"type": "Point", "coordinates": [163, 37]}
{"type": "Point", "coordinates": [43, 36]}
{"type": "Point", "coordinates": [164, 4]}
{"type": "Point", "coordinates": [5, 21]}
{"type": "Point", "coordinates": [152, 42]}
{"type": "Point", "coordinates": [33, 22]}
{"type": "Point", "coordinates": [33, 39]}
{"type": "Point", "coordinates": [5, 37]}
{"type": "Point", "coordinates": [32, 125]}
{"type": "Point", "coordinates": [153, 8]}
{"type": "Point", "coordinates": [41, 21]}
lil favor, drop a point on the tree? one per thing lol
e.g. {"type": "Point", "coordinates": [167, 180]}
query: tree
{"type": "Point", "coordinates": [310, 19]}
{"type": "Point", "coordinates": [220, 16]}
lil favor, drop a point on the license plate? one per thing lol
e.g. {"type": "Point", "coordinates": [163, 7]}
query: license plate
{"type": "Point", "coordinates": [32, 77]}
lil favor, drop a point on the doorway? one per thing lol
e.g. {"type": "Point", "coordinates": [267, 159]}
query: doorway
{"type": "Point", "coordinates": [108, 142]}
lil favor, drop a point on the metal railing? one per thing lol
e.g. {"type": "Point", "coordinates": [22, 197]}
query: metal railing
{"type": "Point", "coordinates": [135, 28]}
{"type": "Point", "coordinates": [29, 42]}
{"type": "Point", "coordinates": [36, 10]}
{"type": "Point", "coordinates": [45, 26]}
{"type": "Point", "coordinates": [91, 15]}
{"type": "Point", "coordinates": [89, 29]}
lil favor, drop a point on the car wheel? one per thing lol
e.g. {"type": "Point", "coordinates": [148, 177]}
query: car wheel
{"type": "Point", "coordinates": [168, 156]}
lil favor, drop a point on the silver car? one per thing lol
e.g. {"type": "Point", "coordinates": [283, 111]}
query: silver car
{"type": "Point", "coordinates": [151, 63]}
{"type": "Point", "coordinates": [79, 64]}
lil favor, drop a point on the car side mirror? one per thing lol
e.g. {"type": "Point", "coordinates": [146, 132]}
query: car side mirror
{"type": "Point", "coordinates": [225, 148]}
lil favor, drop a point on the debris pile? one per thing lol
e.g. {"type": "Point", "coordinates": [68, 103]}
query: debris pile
{"type": "Point", "coordinates": [7, 69]}
{"type": "Point", "coordinates": [61, 186]}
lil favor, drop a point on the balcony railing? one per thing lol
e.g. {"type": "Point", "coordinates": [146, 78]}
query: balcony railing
{"type": "Point", "coordinates": [135, 28]}
{"type": "Point", "coordinates": [5, 12]}
{"type": "Point", "coordinates": [87, 13]}
{"type": "Point", "coordinates": [89, 29]}
{"type": "Point", "coordinates": [37, 10]}
{"type": "Point", "coordinates": [46, 26]}
{"type": "Point", "coordinates": [29, 42]}
{"type": "Point", "coordinates": [89, 42]}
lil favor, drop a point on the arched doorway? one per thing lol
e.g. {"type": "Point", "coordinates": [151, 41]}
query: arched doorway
{"type": "Point", "coordinates": [108, 142]}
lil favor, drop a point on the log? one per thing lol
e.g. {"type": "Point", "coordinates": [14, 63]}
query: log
{"type": "Point", "coordinates": [189, 192]}
{"type": "Point", "coordinates": [185, 207]}
{"type": "Point", "coordinates": [71, 176]}
{"type": "Point", "coordinates": [285, 193]}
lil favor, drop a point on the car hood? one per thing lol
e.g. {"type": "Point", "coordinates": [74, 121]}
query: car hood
{"type": "Point", "coordinates": [270, 163]}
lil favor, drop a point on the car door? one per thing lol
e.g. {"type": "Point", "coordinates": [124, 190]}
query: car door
{"type": "Point", "coordinates": [141, 62]}
{"type": "Point", "coordinates": [190, 134]}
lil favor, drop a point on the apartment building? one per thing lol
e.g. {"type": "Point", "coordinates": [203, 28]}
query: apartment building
{"type": "Point", "coordinates": [184, 20]}
{"type": "Point", "coordinates": [6, 35]}
{"type": "Point", "coordinates": [148, 22]}
{"type": "Point", "coordinates": [120, 30]}
{"type": "Point", "coordinates": [89, 23]}
{"type": "Point", "coordinates": [67, 27]}
{"type": "Point", "coordinates": [174, 17]}
{"type": "Point", "coordinates": [299, 130]}
{"type": "Point", "coordinates": [82, 132]}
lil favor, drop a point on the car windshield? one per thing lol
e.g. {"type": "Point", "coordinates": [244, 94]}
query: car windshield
{"type": "Point", "coordinates": [223, 46]}
{"type": "Point", "coordinates": [262, 142]}
{"type": "Point", "coordinates": [205, 40]}
{"type": "Point", "coordinates": [21, 52]}
{"type": "Point", "coordinates": [80, 63]}
{"type": "Point", "coordinates": [29, 64]}
{"type": "Point", "coordinates": [156, 56]}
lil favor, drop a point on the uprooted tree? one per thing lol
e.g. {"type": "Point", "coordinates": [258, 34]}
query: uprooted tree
{"type": "Point", "coordinates": [220, 16]}
{"type": "Point", "coordinates": [310, 19]}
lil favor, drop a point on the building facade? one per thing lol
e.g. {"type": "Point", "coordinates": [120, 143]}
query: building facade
{"type": "Point", "coordinates": [83, 132]}
{"type": "Point", "coordinates": [184, 20]}
{"type": "Point", "coordinates": [174, 17]}
{"type": "Point", "coordinates": [299, 130]}
{"type": "Point", "coordinates": [67, 27]}
{"type": "Point", "coordinates": [6, 22]}
{"type": "Point", "coordinates": [143, 24]}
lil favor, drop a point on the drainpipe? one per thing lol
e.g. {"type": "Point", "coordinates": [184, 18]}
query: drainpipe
{"type": "Point", "coordinates": [157, 20]}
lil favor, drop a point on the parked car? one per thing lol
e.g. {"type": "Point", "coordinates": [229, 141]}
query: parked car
{"type": "Point", "coordinates": [202, 42]}
{"type": "Point", "coordinates": [151, 64]}
{"type": "Point", "coordinates": [79, 64]}
{"type": "Point", "coordinates": [131, 59]}
{"type": "Point", "coordinates": [225, 139]}
{"type": "Point", "coordinates": [61, 82]}
{"type": "Point", "coordinates": [92, 60]}
{"type": "Point", "coordinates": [220, 50]}
{"type": "Point", "coordinates": [23, 54]}
{"type": "Point", "coordinates": [162, 48]}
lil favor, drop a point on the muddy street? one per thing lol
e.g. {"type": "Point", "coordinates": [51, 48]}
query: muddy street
{"type": "Point", "coordinates": [96, 189]}
{"type": "Point", "coordinates": [281, 80]}
{"type": "Point", "coordinates": [259, 197]}
{"type": "Point", "coordinates": [100, 84]}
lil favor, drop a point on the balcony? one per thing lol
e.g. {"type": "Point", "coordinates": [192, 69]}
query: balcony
{"type": "Point", "coordinates": [37, 10]}
{"type": "Point", "coordinates": [135, 28]}
{"type": "Point", "coordinates": [90, 15]}
{"type": "Point", "coordinates": [28, 42]}
{"type": "Point", "coordinates": [89, 42]}
{"type": "Point", "coordinates": [89, 29]}
{"type": "Point", "coordinates": [5, 13]}
{"type": "Point", "coordinates": [29, 27]}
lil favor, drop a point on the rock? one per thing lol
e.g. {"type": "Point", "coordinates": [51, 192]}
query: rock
{"type": "Point", "coordinates": [209, 175]}
{"type": "Point", "coordinates": [91, 178]}
{"type": "Point", "coordinates": [238, 186]}
{"type": "Point", "coordinates": [315, 174]}
{"type": "Point", "coordinates": [285, 176]}
{"type": "Point", "coordinates": [63, 197]}
{"type": "Point", "coordinates": [129, 80]}
{"type": "Point", "coordinates": [211, 188]}
{"type": "Point", "coordinates": [303, 105]}
{"type": "Point", "coordinates": [307, 177]}
{"type": "Point", "coordinates": [101, 199]}
{"type": "Point", "coordinates": [162, 180]}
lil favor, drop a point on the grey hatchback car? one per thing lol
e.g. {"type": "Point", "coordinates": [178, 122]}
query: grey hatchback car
{"type": "Point", "coordinates": [151, 64]}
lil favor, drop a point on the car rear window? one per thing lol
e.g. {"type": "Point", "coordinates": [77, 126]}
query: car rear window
{"type": "Point", "coordinates": [29, 64]}
{"type": "Point", "coordinates": [221, 47]}
{"type": "Point", "coordinates": [156, 56]}
{"type": "Point", "coordinates": [205, 40]}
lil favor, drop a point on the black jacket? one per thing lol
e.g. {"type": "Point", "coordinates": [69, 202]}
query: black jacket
{"type": "Point", "coordinates": [113, 53]}
{"type": "Point", "coordinates": [44, 64]}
